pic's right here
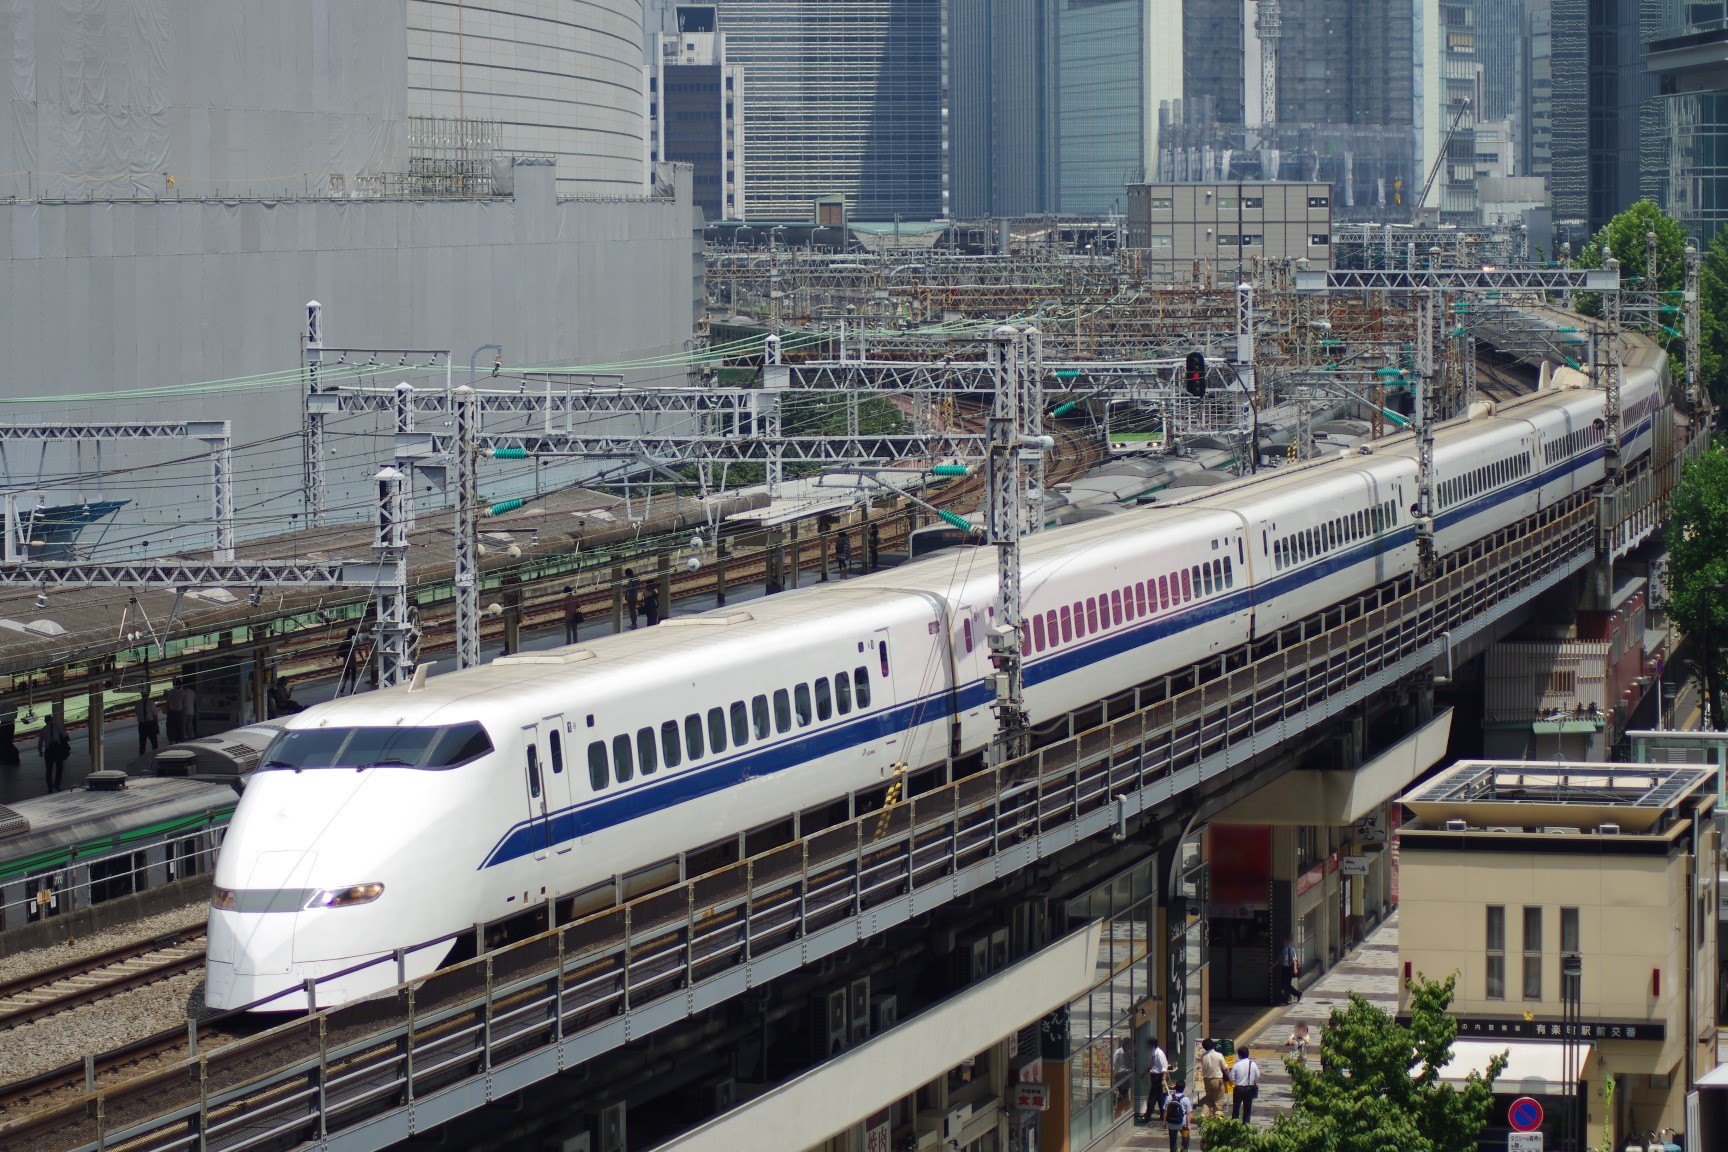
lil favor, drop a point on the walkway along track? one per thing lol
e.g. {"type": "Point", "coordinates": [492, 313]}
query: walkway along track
{"type": "Point", "coordinates": [97, 977]}
{"type": "Point", "coordinates": [380, 1069]}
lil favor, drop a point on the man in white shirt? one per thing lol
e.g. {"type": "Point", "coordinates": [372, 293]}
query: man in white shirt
{"type": "Point", "coordinates": [1245, 1076]}
{"type": "Point", "coordinates": [1157, 1068]}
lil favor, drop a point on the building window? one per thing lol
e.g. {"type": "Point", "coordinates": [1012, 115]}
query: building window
{"type": "Point", "coordinates": [1318, 201]}
{"type": "Point", "coordinates": [1158, 240]}
{"type": "Point", "coordinates": [1253, 202]}
{"type": "Point", "coordinates": [1228, 240]}
{"type": "Point", "coordinates": [1252, 240]}
{"type": "Point", "coordinates": [1496, 949]}
{"type": "Point", "coordinates": [1532, 953]}
{"type": "Point", "coordinates": [1160, 203]}
{"type": "Point", "coordinates": [1319, 240]}
{"type": "Point", "coordinates": [1569, 932]}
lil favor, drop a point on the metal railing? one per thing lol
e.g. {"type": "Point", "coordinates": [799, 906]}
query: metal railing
{"type": "Point", "coordinates": [63, 881]}
{"type": "Point", "coordinates": [376, 1070]}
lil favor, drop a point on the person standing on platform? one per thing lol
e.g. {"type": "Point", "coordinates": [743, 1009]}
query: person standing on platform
{"type": "Point", "coordinates": [843, 553]}
{"type": "Point", "coordinates": [189, 704]}
{"type": "Point", "coordinates": [632, 594]}
{"type": "Point", "coordinates": [651, 605]}
{"type": "Point", "coordinates": [345, 652]}
{"type": "Point", "coordinates": [8, 734]}
{"type": "Point", "coordinates": [572, 615]}
{"type": "Point", "coordinates": [175, 708]}
{"type": "Point", "coordinates": [1245, 1076]}
{"type": "Point", "coordinates": [147, 725]}
{"type": "Point", "coordinates": [873, 546]}
{"type": "Point", "coordinates": [55, 746]}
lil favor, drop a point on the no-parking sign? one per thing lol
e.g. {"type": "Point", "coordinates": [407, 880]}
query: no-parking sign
{"type": "Point", "coordinates": [1525, 1115]}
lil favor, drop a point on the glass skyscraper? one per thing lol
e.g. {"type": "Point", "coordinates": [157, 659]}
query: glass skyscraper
{"type": "Point", "coordinates": [846, 97]}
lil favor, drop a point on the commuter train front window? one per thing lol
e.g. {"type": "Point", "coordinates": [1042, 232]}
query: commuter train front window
{"type": "Point", "coordinates": [424, 748]}
{"type": "Point", "coordinates": [623, 763]}
{"type": "Point", "coordinates": [599, 771]}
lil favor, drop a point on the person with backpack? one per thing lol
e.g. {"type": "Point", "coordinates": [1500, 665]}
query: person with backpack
{"type": "Point", "coordinates": [1177, 1110]}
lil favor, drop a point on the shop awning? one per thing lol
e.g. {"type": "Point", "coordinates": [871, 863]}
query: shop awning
{"type": "Point", "coordinates": [1533, 1067]}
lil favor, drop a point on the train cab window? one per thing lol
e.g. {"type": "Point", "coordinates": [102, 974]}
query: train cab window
{"type": "Point", "coordinates": [882, 652]}
{"type": "Point", "coordinates": [598, 770]}
{"type": "Point", "coordinates": [824, 699]}
{"type": "Point", "coordinates": [1037, 632]}
{"type": "Point", "coordinates": [533, 773]}
{"type": "Point", "coordinates": [645, 752]}
{"type": "Point", "coordinates": [693, 735]}
{"type": "Point", "coordinates": [1187, 588]}
{"type": "Point", "coordinates": [556, 746]}
{"type": "Point", "coordinates": [717, 730]}
{"type": "Point", "coordinates": [1092, 614]}
{"type": "Point", "coordinates": [740, 717]}
{"type": "Point", "coordinates": [1140, 597]}
{"type": "Point", "coordinates": [842, 693]}
{"type": "Point", "coordinates": [861, 685]}
{"type": "Point", "coordinates": [759, 717]}
{"type": "Point", "coordinates": [1115, 606]}
{"type": "Point", "coordinates": [670, 746]}
{"type": "Point", "coordinates": [1067, 624]}
{"type": "Point", "coordinates": [801, 702]}
{"type": "Point", "coordinates": [623, 762]}
{"type": "Point", "coordinates": [782, 710]}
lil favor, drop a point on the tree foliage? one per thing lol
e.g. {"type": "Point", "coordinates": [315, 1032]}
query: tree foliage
{"type": "Point", "coordinates": [1698, 558]}
{"type": "Point", "coordinates": [1713, 317]}
{"type": "Point", "coordinates": [1378, 1087]}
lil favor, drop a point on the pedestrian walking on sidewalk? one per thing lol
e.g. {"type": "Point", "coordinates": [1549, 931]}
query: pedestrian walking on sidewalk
{"type": "Point", "coordinates": [1245, 1076]}
{"type": "Point", "coordinates": [1177, 1111]}
{"type": "Point", "coordinates": [1212, 1077]}
{"type": "Point", "coordinates": [1288, 969]}
{"type": "Point", "coordinates": [1157, 1069]}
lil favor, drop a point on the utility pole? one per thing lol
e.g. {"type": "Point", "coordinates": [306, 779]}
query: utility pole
{"type": "Point", "coordinates": [1427, 561]}
{"type": "Point", "coordinates": [1010, 448]}
{"type": "Point", "coordinates": [312, 470]}
{"type": "Point", "coordinates": [467, 576]}
{"type": "Point", "coordinates": [390, 545]}
{"type": "Point", "coordinates": [1690, 302]}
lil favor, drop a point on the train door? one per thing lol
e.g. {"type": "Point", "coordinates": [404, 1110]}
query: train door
{"type": "Point", "coordinates": [536, 788]}
{"type": "Point", "coordinates": [557, 781]}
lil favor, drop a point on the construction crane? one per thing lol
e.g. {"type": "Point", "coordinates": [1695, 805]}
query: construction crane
{"type": "Point", "coordinates": [1440, 156]}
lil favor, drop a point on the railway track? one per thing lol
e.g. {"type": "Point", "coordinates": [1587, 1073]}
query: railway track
{"type": "Point", "coordinates": [97, 977]}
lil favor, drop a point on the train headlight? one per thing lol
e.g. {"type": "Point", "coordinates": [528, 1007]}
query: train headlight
{"type": "Point", "coordinates": [346, 897]}
{"type": "Point", "coordinates": [222, 899]}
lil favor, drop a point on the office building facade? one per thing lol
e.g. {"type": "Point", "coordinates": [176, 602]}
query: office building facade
{"type": "Point", "coordinates": [696, 102]}
{"type": "Point", "coordinates": [844, 99]}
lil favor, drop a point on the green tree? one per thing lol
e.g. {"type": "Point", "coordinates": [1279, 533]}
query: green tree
{"type": "Point", "coordinates": [1713, 316]}
{"type": "Point", "coordinates": [1626, 238]}
{"type": "Point", "coordinates": [1697, 536]}
{"type": "Point", "coordinates": [1378, 1088]}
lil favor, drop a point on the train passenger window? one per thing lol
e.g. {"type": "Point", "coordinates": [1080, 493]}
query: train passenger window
{"type": "Point", "coordinates": [533, 773]}
{"type": "Point", "coordinates": [693, 735]}
{"type": "Point", "coordinates": [1092, 614]}
{"type": "Point", "coordinates": [670, 746]}
{"type": "Point", "coordinates": [1067, 624]}
{"type": "Point", "coordinates": [882, 651]}
{"type": "Point", "coordinates": [623, 762]}
{"type": "Point", "coordinates": [759, 716]}
{"type": "Point", "coordinates": [645, 755]}
{"type": "Point", "coordinates": [1140, 598]}
{"type": "Point", "coordinates": [1116, 606]}
{"type": "Point", "coordinates": [717, 730]}
{"type": "Point", "coordinates": [965, 633]}
{"type": "Point", "coordinates": [1052, 633]}
{"type": "Point", "coordinates": [1163, 592]}
{"type": "Point", "coordinates": [598, 770]}
{"type": "Point", "coordinates": [557, 746]}
{"type": "Point", "coordinates": [1206, 585]}
{"type": "Point", "coordinates": [1229, 574]}
{"type": "Point", "coordinates": [1037, 632]}
{"type": "Point", "coordinates": [1218, 575]}
{"type": "Point", "coordinates": [801, 705]}
{"type": "Point", "coordinates": [842, 693]}
{"type": "Point", "coordinates": [861, 682]}
{"type": "Point", "coordinates": [1187, 587]}
{"type": "Point", "coordinates": [740, 716]}
{"type": "Point", "coordinates": [824, 699]}
{"type": "Point", "coordinates": [782, 710]}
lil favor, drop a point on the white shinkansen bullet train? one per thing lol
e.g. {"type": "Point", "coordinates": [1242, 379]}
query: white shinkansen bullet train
{"type": "Point", "coordinates": [384, 820]}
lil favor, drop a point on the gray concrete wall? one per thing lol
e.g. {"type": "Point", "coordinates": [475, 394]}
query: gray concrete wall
{"type": "Point", "coordinates": [117, 310]}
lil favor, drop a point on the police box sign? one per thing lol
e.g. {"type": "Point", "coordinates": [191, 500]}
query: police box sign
{"type": "Point", "coordinates": [1515, 1028]}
